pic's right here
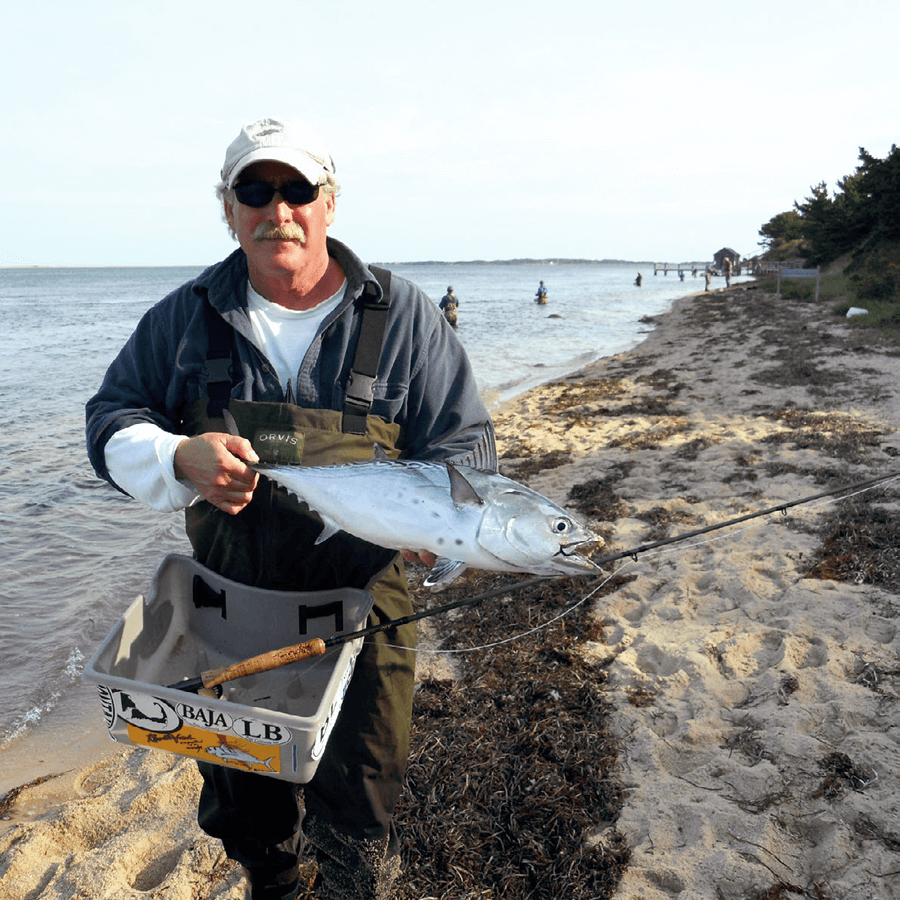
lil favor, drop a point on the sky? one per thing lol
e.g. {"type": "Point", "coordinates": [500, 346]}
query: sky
{"type": "Point", "coordinates": [461, 129]}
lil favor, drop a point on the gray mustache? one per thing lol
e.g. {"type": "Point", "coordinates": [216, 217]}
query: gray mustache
{"type": "Point", "coordinates": [266, 231]}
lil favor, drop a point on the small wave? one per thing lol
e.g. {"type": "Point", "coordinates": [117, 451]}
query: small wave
{"type": "Point", "coordinates": [32, 717]}
{"type": "Point", "coordinates": [73, 665]}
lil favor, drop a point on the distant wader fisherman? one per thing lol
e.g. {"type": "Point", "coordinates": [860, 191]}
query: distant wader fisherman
{"type": "Point", "coordinates": [541, 294]}
{"type": "Point", "coordinates": [448, 305]}
{"type": "Point", "coordinates": [297, 338]}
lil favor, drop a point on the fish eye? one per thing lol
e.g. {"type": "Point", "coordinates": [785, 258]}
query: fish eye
{"type": "Point", "coordinates": [561, 526]}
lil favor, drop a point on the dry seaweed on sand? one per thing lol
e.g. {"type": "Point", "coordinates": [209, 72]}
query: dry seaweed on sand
{"type": "Point", "coordinates": [835, 435]}
{"type": "Point", "coordinates": [860, 542]}
{"type": "Point", "coordinates": [8, 800]}
{"type": "Point", "coordinates": [532, 464]}
{"type": "Point", "coordinates": [841, 774]}
{"type": "Point", "coordinates": [512, 765]}
{"type": "Point", "coordinates": [597, 499]}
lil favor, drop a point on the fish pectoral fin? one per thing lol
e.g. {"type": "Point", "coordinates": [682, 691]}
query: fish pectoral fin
{"type": "Point", "coordinates": [444, 571]}
{"type": "Point", "coordinates": [378, 452]}
{"type": "Point", "coordinates": [329, 529]}
{"type": "Point", "coordinates": [460, 490]}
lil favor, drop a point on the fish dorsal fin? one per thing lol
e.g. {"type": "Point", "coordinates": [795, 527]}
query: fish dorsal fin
{"type": "Point", "coordinates": [461, 491]}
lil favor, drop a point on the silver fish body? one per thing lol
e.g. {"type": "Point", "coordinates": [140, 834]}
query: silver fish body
{"type": "Point", "coordinates": [467, 518]}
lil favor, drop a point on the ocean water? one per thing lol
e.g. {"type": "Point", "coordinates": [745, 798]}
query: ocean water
{"type": "Point", "coordinates": [74, 552]}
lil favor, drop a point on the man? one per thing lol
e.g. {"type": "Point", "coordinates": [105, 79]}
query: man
{"type": "Point", "coordinates": [283, 334]}
{"type": "Point", "coordinates": [448, 305]}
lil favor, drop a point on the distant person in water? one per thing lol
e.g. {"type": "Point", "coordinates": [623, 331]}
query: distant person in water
{"type": "Point", "coordinates": [541, 293]}
{"type": "Point", "coordinates": [448, 305]}
{"type": "Point", "coordinates": [639, 280]}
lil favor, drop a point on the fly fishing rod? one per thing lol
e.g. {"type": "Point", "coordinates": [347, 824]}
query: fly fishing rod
{"type": "Point", "coordinates": [275, 659]}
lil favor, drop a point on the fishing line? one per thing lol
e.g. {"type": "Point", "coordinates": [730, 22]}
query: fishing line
{"type": "Point", "coordinates": [517, 637]}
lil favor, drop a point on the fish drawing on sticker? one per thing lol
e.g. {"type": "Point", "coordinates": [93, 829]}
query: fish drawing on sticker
{"type": "Point", "coordinates": [234, 756]}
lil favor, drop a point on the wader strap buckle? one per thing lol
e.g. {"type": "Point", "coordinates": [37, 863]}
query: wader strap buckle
{"type": "Point", "coordinates": [360, 393]}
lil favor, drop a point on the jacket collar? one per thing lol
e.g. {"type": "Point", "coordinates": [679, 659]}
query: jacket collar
{"type": "Point", "coordinates": [225, 282]}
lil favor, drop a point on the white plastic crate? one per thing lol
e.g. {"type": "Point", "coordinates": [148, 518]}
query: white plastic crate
{"type": "Point", "coordinates": [275, 723]}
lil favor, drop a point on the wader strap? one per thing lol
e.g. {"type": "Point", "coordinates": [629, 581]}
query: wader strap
{"type": "Point", "coordinates": [360, 388]}
{"type": "Point", "coordinates": [220, 366]}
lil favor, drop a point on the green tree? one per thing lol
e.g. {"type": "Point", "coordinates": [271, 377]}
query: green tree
{"type": "Point", "coordinates": [879, 188]}
{"type": "Point", "coordinates": [864, 212]}
{"type": "Point", "coordinates": [780, 229]}
{"type": "Point", "coordinates": [823, 234]}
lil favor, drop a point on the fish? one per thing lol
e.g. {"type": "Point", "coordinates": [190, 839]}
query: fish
{"type": "Point", "coordinates": [466, 517]}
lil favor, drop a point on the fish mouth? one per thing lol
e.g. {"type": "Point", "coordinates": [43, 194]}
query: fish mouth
{"type": "Point", "coordinates": [570, 554]}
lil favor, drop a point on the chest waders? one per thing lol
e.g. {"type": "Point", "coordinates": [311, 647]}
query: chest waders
{"type": "Point", "coordinates": [270, 544]}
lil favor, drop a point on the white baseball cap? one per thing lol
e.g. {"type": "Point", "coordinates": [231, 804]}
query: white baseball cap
{"type": "Point", "coordinates": [284, 140]}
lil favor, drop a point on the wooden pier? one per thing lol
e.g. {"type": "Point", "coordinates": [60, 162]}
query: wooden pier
{"type": "Point", "coordinates": [692, 267]}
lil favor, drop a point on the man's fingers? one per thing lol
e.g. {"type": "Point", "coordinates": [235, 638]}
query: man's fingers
{"type": "Point", "coordinates": [240, 447]}
{"type": "Point", "coordinates": [422, 556]}
{"type": "Point", "coordinates": [216, 464]}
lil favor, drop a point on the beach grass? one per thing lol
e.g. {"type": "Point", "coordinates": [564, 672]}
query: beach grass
{"type": "Point", "coordinates": [838, 294]}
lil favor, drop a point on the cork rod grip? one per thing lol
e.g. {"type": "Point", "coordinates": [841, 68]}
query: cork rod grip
{"type": "Point", "coordinates": [265, 662]}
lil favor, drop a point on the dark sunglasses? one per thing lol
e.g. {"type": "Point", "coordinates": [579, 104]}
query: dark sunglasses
{"type": "Point", "coordinates": [260, 193]}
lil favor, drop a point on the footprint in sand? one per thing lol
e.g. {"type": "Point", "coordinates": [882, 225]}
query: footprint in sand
{"type": "Point", "coordinates": [152, 867]}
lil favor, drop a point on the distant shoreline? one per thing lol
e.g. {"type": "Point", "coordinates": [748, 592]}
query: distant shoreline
{"type": "Point", "coordinates": [554, 261]}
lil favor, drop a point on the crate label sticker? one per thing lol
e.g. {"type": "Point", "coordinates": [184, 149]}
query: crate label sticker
{"type": "Point", "coordinates": [156, 716]}
{"type": "Point", "coordinates": [228, 750]}
{"type": "Point", "coordinates": [149, 713]}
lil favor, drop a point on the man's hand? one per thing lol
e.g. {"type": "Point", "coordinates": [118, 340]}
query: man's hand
{"type": "Point", "coordinates": [423, 556]}
{"type": "Point", "coordinates": [214, 464]}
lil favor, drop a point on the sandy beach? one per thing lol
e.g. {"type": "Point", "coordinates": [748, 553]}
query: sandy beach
{"type": "Point", "coordinates": [749, 676]}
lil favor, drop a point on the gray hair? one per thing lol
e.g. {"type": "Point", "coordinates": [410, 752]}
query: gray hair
{"type": "Point", "coordinates": [227, 198]}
